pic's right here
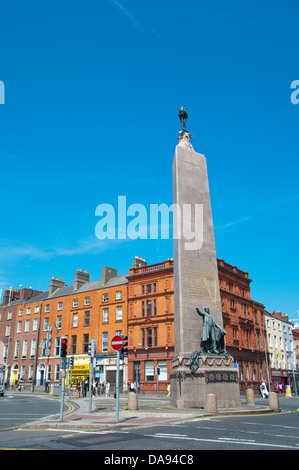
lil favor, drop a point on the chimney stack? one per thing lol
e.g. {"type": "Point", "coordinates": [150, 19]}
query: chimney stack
{"type": "Point", "coordinates": [56, 283]}
{"type": "Point", "coordinates": [139, 262]}
{"type": "Point", "coordinates": [81, 277]}
{"type": "Point", "coordinates": [108, 273]}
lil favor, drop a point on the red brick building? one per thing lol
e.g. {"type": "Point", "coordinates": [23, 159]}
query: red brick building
{"type": "Point", "coordinates": [31, 329]}
{"type": "Point", "coordinates": [150, 323]}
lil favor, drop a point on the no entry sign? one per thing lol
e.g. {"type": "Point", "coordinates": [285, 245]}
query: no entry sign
{"type": "Point", "coordinates": [117, 342]}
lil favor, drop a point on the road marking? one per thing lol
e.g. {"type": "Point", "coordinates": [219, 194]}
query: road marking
{"type": "Point", "coordinates": [245, 442]}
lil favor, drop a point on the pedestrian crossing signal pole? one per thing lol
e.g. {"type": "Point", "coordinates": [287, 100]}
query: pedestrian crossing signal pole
{"type": "Point", "coordinates": [91, 353]}
{"type": "Point", "coordinates": [63, 353]}
{"type": "Point", "coordinates": [117, 343]}
{"type": "Point", "coordinates": [117, 387]}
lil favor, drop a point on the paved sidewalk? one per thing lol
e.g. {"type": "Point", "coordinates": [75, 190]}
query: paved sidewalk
{"type": "Point", "coordinates": [151, 410]}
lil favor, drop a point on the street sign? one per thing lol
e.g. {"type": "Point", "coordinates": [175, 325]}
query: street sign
{"type": "Point", "coordinates": [117, 342]}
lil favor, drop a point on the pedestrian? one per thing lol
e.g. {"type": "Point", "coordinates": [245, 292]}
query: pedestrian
{"type": "Point", "coordinates": [168, 391]}
{"type": "Point", "coordinates": [46, 387]}
{"type": "Point", "coordinates": [107, 389]}
{"type": "Point", "coordinates": [84, 387]}
{"type": "Point", "coordinates": [137, 386]}
{"type": "Point", "coordinates": [264, 390]}
{"type": "Point", "coordinates": [78, 388]}
{"type": "Point", "coordinates": [132, 387]}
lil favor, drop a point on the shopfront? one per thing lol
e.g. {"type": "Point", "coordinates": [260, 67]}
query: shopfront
{"type": "Point", "coordinates": [280, 379]}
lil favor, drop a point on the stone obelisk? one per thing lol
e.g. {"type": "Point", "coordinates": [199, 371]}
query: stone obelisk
{"type": "Point", "coordinates": [196, 284]}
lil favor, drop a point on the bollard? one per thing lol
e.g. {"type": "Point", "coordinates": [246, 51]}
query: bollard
{"type": "Point", "coordinates": [132, 401]}
{"type": "Point", "coordinates": [250, 400]}
{"type": "Point", "coordinates": [274, 402]}
{"type": "Point", "coordinates": [211, 404]}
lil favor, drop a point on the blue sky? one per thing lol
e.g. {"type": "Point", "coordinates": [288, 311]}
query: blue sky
{"type": "Point", "coordinates": [92, 93]}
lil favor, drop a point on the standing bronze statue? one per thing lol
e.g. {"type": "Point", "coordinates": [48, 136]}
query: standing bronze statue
{"type": "Point", "coordinates": [183, 117]}
{"type": "Point", "coordinates": [212, 340]}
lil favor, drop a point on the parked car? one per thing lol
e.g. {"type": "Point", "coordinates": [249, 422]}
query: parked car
{"type": "Point", "coordinates": [1, 389]}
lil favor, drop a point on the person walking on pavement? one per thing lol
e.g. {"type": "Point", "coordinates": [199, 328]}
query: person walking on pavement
{"type": "Point", "coordinates": [78, 388]}
{"type": "Point", "coordinates": [107, 389]}
{"type": "Point", "coordinates": [85, 385]}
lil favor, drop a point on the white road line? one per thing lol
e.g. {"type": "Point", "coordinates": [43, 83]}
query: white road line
{"type": "Point", "coordinates": [249, 443]}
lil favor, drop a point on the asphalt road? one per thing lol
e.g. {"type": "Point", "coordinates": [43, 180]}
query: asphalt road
{"type": "Point", "coordinates": [278, 431]}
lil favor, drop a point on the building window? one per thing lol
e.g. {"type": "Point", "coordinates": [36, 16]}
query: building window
{"type": "Point", "coordinates": [155, 307]}
{"type": "Point", "coordinates": [58, 322]}
{"type": "Point", "coordinates": [36, 309]}
{"type": "Point", "coordinates": [149, 337]}
{"type": "Point", "coordinates": [57, 371]}
{"type": "Point", "coordinates": [33, 347]}
{"type": "Point", "coordinates": [19, 328]}
{"type": "Point", "coordinates": [149, 308]}
{"type": "Point", "coordinates": [28, 311]}
{"type": "Point", "coordinates": [57, 346]}
{"type": "Point", "coordinates": [43, 347]}
{"type": "Point", "coordinates": [47, 308]}
{"type": "Point", "coordinates": [60, 306]}
{"type": "Point", "coordinates": [7, 330]}
{"type": "Point", "coordinates": [105, 342]}
{"type": "Point", "coordinates": [247, 338]}
{"type": "Point", "coordinates": [86, 318]}
{"type": "Point", "coordinates": [27, 325]}
{"type": "Point", "coordinates": [155, 287]}
{"type": "Point", "coordinates": [30, 374]}
{"type": "Point", "coordinates": [75, 320]}
{"type": "Point", "coordinates": [46, 323]}
{"type": "Point", "coordinates": [74, 344]}
{"type": "Point", "coordinates": [148, 288]}
{"type": "Point", "coordinates": [105, 298]}
{"type": "Point", "coordinates": [35, 324]}
{"type": "Point", "coordinates": [85, 343]}
{"type": "Point", "coordinates": [142, 290]}
{"type": "Point", "coordinates": [143, 309]}
{"type": "Point", "coordinates": [105, 315]}
{"type": "Point", "coordinates": [241, 370]}
{"type": "Point", "coordinates": [20, 312]}
{"type": "Point", "coordinates": [49, 368]}
{"type": "Point", "coordinates": [119, 313]}
{"type": "Point", "coordinates": [25, 346]}
{"type": "Point", "coordinates": [253, 370]}
{"type": "Point", "coordinates": [75, 303]}
{"type": "Point", "coordinates": [149, 371]}
{"type": "Point", "coordinates": [118, 295]}
{"type": "Point", "coordinates": [163, 370]}
{"type": "Point", "coordinates": [9, 315]}
{"type": "Point", "coordinates": [87, 301]}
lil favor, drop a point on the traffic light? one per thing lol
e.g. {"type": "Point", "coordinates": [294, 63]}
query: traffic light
{"type": "Point", "coordinates": [72, 360]}
{"type": "Point", "coordinates": [124, 350]}
{"type": "Point", "coordinates": [63, 346]}
{"type": "Point", "coordinates": [92, 348]}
